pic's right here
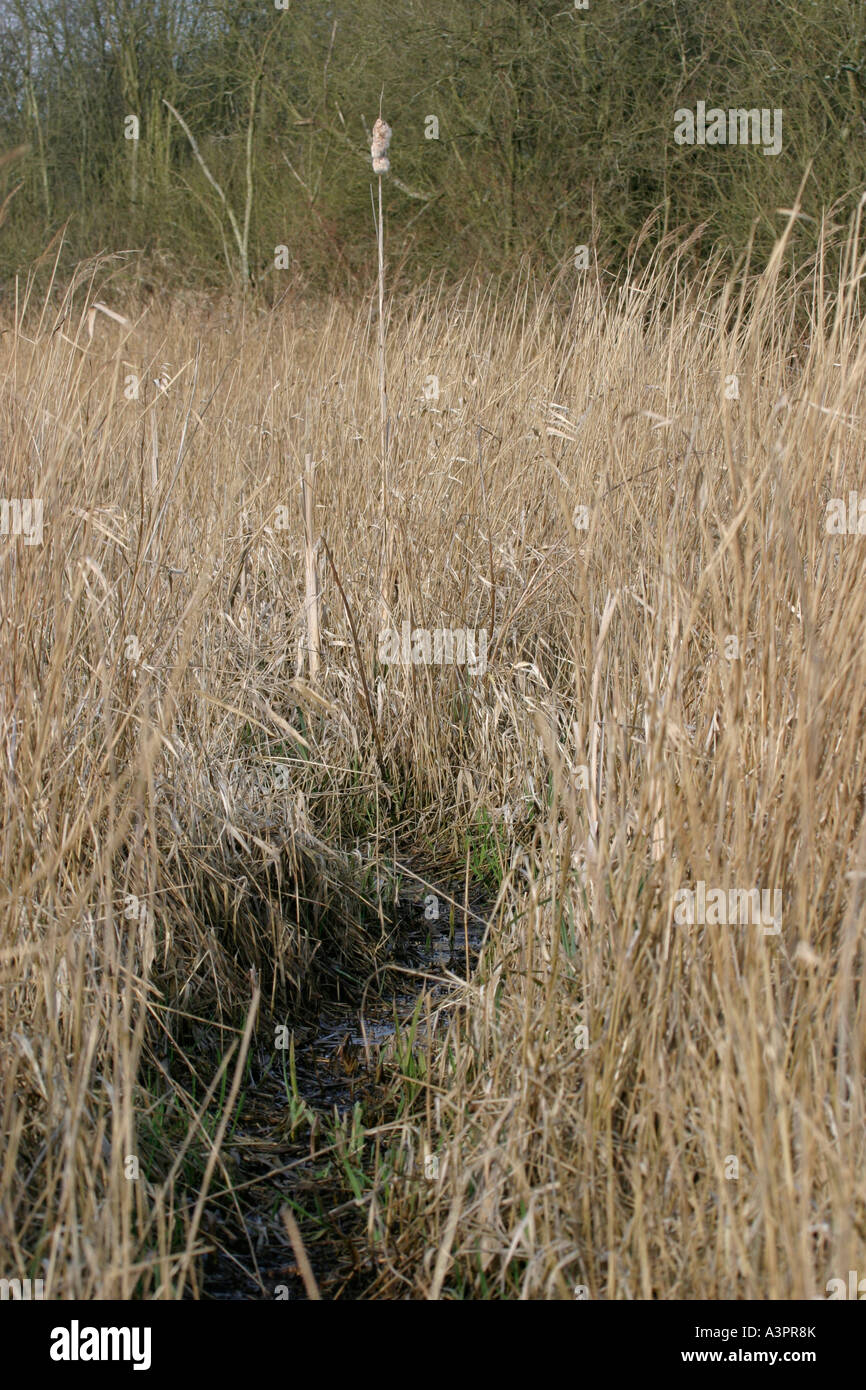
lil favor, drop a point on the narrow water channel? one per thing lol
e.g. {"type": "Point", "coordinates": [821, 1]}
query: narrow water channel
{"type": "Point", "coordinates": [282, 1148]}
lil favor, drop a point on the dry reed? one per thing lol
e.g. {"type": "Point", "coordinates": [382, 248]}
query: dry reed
{"type": "Point", "coordinates": [639, 1107]}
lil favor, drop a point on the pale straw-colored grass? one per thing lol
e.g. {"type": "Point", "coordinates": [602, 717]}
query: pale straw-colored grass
{"type": "Point", "coordinates": [566, 1159]}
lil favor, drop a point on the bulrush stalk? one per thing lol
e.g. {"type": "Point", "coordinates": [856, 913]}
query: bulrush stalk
{"type": "Point", "coordinates": [381, 165]}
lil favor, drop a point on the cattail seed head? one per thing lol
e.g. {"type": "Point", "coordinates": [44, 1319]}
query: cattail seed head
{"type": "Point", "coordinates": [381, 141]}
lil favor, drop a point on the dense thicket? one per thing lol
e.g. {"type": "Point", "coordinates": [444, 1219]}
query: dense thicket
{"type": "Point", "coordinates": [555, 128]}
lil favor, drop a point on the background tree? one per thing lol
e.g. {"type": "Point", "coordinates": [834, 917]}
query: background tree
{"type": "Point", "coordinates": [553, 128]}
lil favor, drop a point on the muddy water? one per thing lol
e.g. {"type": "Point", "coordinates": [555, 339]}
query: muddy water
{"type": "Point", "coordinates": [275, 1155]}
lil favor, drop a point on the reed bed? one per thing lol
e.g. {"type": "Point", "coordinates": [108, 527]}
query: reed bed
{"type": "Point", "coordinates": [626, 488]}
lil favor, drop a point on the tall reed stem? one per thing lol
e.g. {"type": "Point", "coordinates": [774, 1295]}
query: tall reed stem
{"type": "Point", "coordinates": [379, 150]}
{"type": "Point", "coordinates": [385, 590]}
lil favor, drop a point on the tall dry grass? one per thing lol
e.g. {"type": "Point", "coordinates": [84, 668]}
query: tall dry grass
{"type": "Point", "coordinates": [177, 809]}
